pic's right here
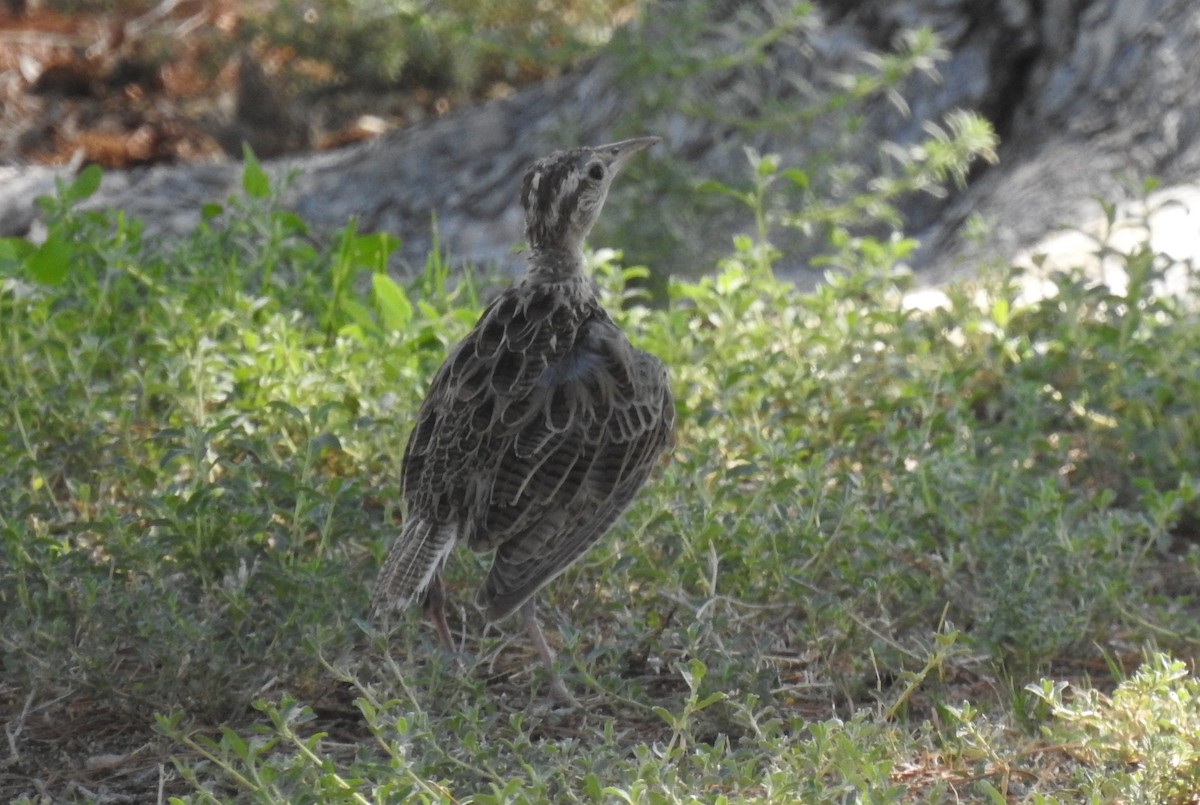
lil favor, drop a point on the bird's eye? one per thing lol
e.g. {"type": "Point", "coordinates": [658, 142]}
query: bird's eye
{"type": "Point", "coordinates": [596, 171]}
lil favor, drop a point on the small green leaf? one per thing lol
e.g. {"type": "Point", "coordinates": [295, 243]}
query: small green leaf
{"type": "Point", "coordinates": [358, 314]}
{"type": "Point", "coordinates": [291, 223]}
{"type": "Point", "coordinates": [694, 674]}
{"type": "Point", "coordinates": [592, 787]}
{"type": "Point", "coordinates": [210, 210]}
{"type": "Point", "coordinates": [15, 250]}
{"type": "Point", "coordinates": [371, 251]}
{"type": "Point", "coordinates": [235, 743]}
{"type": "Point", "coordinates": [85, 184]}
{"type": "Point", "coordinates": [255, 181]}
{"type": "Point", "coordinates": [993, 795]}
{"type": "Point", "coordinates": [713, 186]}
{"type": "Point", "coordinates": [287, 408]}
{"type": "Point", "coordinates": [709, 700]}
{"type": "Point", "coordinates": [395, 311]}
{"type": "Point", "coordinates": [796, 177]}
{"type": "Point", "coordinates": [1000, 312]}
{"type": "Point", "coordinates": [50, 263]}
{"type": "Point", "coordinates": [665, 714]}
{"type": "Point", "coordinates": [367, 709]}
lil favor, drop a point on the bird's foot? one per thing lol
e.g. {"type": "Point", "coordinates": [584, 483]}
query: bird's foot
{"type": "Point", "coordinates": [558, 690]}
{"type": "Point", "coordinates": [560, 694]}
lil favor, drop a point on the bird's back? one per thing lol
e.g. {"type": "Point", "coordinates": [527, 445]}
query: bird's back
{"type": "Point", "coordinates": [538, 430]}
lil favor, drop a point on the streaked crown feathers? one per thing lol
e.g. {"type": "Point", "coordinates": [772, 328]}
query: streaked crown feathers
{"type": "Point", "coordinates": [562, 195]}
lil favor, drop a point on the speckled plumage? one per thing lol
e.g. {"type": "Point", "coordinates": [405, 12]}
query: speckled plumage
{"type": "Point", "coordinates": [542, 423]}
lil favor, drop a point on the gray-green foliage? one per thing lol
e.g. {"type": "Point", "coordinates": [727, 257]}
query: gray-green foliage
{"type": "Point", "coordinates": [877, 524]}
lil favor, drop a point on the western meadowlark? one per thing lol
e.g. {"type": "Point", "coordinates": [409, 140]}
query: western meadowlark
{"type": "Point", "coordinates": [540, 426]}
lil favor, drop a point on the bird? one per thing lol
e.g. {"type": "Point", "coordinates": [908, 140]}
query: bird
{"type": "Point", "coordinates": [540, 426]}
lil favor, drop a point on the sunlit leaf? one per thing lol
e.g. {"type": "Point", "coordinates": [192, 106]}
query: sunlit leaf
{"type": "Point", "coordinates": [51, 262]}
{"type": "Point", "coordinates": [85, 184]}
{"type": "Point", "coordinates": [395, 311]}
{"type": "Point", "coordinates": [255, 181]}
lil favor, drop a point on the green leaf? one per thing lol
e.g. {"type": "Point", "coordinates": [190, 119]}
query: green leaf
{"type": "Point", "coordinates": [343, 262]}
{"type": "Point", "coordinates": [367, 709]}
{"type": "Point", "coordinates": [235, 743]}
{"type": "Point", "coordinates": [665, 714]}
{"type": "Point", "coordinates": [592, 787]}
{"type": "Point", "coordinates": [50, 263]}
{"type": "Point", "coordinates": [352, 331]}
{"type": "Point", "coordinates": [372, 251]}
{"type": "Point", "coordinates": [287, 408]}
{"type": "Point", "coordinates": [767, 165]}
{"type": "Point", "coordinates": [15, 250]}
{"type": "Point", "coordinates": [713, 186]}
{"type": "Point", "coordinates": [993, 795]}
{"type": "Point", "coordinates": [1000, 311]}
{"type": "Point", "coordinates": [797, 177]}
{"type": "Point", "coordinates": [292, 224]}
{"type": "Point", "coordinates": [395, 311]}
{"type": "Point", "coordinates": [709, 700]}
{"type": "Point", "coordinates": [84, 186]}
{"type": "Point", "coordinates": [358, 314]}
{"type": "Point", "coordinates": [255, 181]}
{"type": "Point", "coordinates": [210, 210]}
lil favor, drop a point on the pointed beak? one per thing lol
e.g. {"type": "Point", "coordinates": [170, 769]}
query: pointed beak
{"type": "Point", "coordinates": [615, 155]}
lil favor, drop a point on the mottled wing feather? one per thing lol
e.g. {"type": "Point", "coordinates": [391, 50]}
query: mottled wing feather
{"type": "Point", "coordinates": [483, 394]}
{"type": "Point", "coordinates": [566, 503]}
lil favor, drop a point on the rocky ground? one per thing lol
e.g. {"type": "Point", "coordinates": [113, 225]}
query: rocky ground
{"type": "Point", "coordinates": [1088, 101]}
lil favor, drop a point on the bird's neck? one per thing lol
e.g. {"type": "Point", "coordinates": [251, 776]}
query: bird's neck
{"type": "Point", "coordinates": [558, 264]}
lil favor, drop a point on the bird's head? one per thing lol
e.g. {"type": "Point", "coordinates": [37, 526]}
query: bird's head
{"type": "Point", "coordinates": [562, 194]}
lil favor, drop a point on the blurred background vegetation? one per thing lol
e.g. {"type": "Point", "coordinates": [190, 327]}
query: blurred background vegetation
{"type": "Point", "coordinates": [331, 62]}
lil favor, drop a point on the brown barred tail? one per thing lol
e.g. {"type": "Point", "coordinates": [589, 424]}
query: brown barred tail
{"type": "Point", "coordinates": [415, 558]}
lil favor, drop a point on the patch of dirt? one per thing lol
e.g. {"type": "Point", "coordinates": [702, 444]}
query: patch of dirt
{"type": "Point", "coordinates": [132, 83]}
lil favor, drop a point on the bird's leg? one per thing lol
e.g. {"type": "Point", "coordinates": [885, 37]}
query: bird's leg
{"type": "Point", "coordinates": [435, 605]}
{"type": "Point", "coordinates": [557, 689]}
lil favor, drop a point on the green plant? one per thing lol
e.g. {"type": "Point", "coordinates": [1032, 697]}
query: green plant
{"type": "Point", "coordinates": [1139, 744]}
